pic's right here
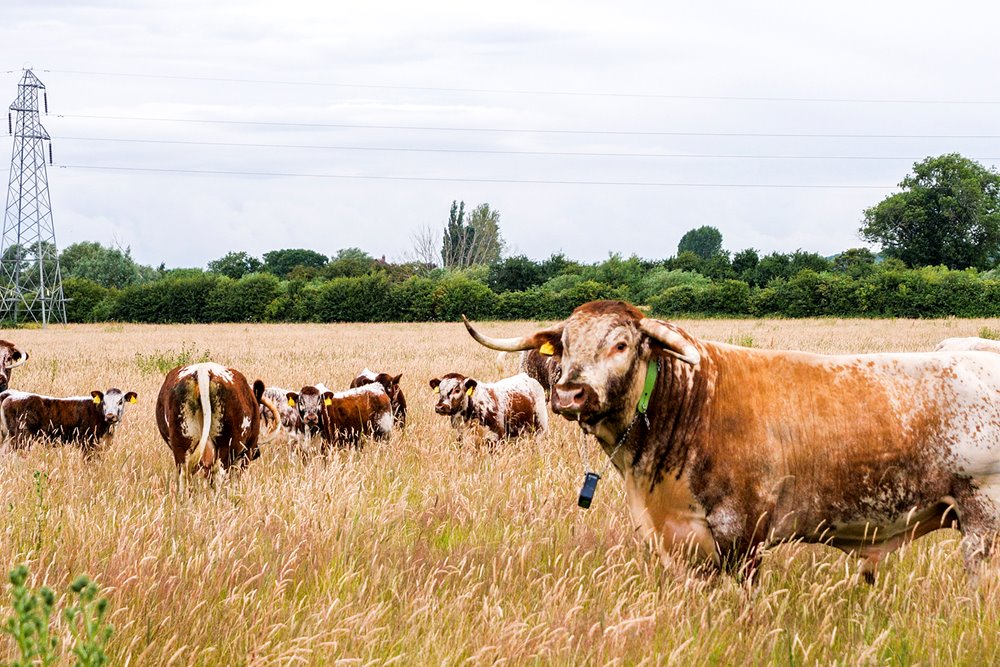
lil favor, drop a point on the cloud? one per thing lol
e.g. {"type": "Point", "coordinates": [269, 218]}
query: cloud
{"type": "Point", "coordinates": [848, 50]}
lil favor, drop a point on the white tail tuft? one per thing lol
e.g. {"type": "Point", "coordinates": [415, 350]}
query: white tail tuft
{"type": "Point", "coordinates": [194, 458]}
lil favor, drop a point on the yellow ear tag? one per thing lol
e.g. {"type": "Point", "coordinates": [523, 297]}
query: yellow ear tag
{"type": "Point", "coordinates": [291, 402]}
{"type": "Point", "coordinates": [132, 400]}
{"type": "Point", "coordinates": [97, 400]}
{"type": "Point", "coordinates": [436, 390]}
{"type": "Point", "coordinates": [547, 349]}
{"type": "Point", "coordinates": [470, 391]}
{"type": "Point", "coordinates": [327, 401]}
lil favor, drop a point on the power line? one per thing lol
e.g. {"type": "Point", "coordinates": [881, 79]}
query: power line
{"type": "Point", "coordinates": [638, 133]}
{"type": "Point", "coordinates": [408, 149]}
{"type": "Point", "coordinates": [515, 91]}
{"type": "Point", "coordinates": [519, 181]}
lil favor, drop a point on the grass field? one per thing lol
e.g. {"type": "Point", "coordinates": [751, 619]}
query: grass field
{"type": "Point", "coordinates": [415, 551]}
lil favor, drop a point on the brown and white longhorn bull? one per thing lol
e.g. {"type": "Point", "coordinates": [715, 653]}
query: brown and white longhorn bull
{"type": "Point", "coordinates": [10, 358]}
{"type": "Point", "coordinates": [88, 421]}
{"type": "Point", "coordinates": [391, 385]}
{"type": "Point", "coordinates": [741, 447]}
{"type": "Point", "coordinates": [208, 414]}
{"type": "Point", "coordinates": [507, 408]}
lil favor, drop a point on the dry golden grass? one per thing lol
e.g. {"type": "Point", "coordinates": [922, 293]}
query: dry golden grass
{"type": "Point", "coordinates": [414, 551]}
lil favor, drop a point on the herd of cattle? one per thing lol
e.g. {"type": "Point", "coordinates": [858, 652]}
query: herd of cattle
{"type": "Point", "coordinates": [723, 450]}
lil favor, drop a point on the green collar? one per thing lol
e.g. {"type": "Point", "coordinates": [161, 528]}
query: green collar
{"type": "Point", "coordinates": [647, 391]}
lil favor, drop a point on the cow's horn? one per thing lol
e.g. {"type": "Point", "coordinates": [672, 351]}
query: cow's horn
{"type": "Point", "coordinates": [20, 362]}
{"type": "Point", "coordinates": [676, 344]}
{"type": "Point", "coordinates": [514, 344]}
{"type": "Point", "coordinates": [269, 404]}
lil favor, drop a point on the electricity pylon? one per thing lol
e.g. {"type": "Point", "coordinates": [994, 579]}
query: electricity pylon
{"type": "Point", "coordinates": [30, 281]}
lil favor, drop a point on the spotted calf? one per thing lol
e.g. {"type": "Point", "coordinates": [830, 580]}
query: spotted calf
{"type": "Point", "coordinates": [391, 385]}
{"type": "Point", "coordinates": [344, 417]}
{"type": "Point", "coordinates": [506, 408]}
{"type": "Point", "coordinates": [88, 421]}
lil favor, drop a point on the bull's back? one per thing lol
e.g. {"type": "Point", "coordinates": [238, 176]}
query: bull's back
{"type": "Point", "coordinates": [831, 433]}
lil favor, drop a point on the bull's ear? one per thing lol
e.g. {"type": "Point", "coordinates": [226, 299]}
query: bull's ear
{"type": "Point", "coordinates": [328, 398]}
{"type": "Point", "coordinates": [97, 396]}
{"type": "Point", "coordinates": [546, 341]}
{"type": "Point", "coordinates": [670, 339]}
{"type": "Point", "coordinates": [131, 397]}
{"type": "Point", "coordinates": [395, 380]}
{"type": "Point", "coordinates": [435, 382]}
{"type": "Point", "coordinates": [258, 389]}
{"type": "Point", "coordinates": [292, 398]}
{"type": "Point", "coordinates": [470, 386]}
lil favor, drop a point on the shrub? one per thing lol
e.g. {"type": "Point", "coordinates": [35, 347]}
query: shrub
{"type": "Point", "coordinates": [82, 295]}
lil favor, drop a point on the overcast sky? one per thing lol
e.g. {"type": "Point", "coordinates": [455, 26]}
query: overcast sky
{"type": "Point", "coordinates": [328, 69]}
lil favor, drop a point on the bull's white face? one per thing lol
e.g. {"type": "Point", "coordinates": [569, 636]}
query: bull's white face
{"type": "Point", "coordinates": [112, 403]}
{"type": "Point", "coordinates": [601, 360]}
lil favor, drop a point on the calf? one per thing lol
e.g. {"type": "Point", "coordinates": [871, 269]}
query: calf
{"type": "Point", "coordinates": [391, 385]}
{"type": "Point", "coordinates": [208, 415]}
{"type": "Point", "coordinates": [342, 418]}
{"type": "Point", "coordinates": [88, 421]}
{"type": "Point", "coordinates": [507, 408]}
{"type": "Point", "coordinates": [10, 358]}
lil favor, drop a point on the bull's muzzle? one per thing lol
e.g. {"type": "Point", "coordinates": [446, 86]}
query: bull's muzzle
{"type": "Point", "coordinates": [111, 418]}
{"type": "Point", "coordinates": [569, 400]}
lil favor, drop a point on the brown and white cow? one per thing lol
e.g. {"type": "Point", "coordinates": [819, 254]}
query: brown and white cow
{"type": "Point", "coordinates": [344, 417]}
{"type": "Point", "coordinates": [969, 344]}
{"type": "Point", "coordinates": [88, 421]}
{"type": "Point", "coordinates": [391, 385]}
{"type": "Point", "coordinates": [507, 408]}
{"type": "Point", "coordinates": [742, 447]}
{"type": "Point", "coordinates": [208, 414]}
{"type": "Point", "coordinates": [10, 358]}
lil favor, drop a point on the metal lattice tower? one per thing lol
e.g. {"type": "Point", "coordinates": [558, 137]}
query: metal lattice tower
{"type": "Point", "coordinates": [30, 281]}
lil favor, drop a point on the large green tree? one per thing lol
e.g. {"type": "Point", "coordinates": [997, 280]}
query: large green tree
{"type": "Point", "coordinates": [472, 243]}
{"type": "Point", "coordinates": [704, 241]}
{"type": "Point", "coordinates": [281, 262]}
{"type": "Point", "coordinates": [948, 213]}
{"type": "Point", "coordinates": [235, 265]}
{"type": "Point", "coordinates": [106, 266]}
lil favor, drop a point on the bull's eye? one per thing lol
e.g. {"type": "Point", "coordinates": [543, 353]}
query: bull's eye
{"type": "Point", "coordinates": [621, 347]}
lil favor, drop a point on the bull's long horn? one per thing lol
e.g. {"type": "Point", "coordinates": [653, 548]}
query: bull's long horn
{"type": "Point", "coordinates": [269, 404]}
{"type": "Point", "coordinates": [514, 344]}
{"type": "Point", "coordinates": [20, 362]}
{"type": "Point", "coordinates": [676, 345]}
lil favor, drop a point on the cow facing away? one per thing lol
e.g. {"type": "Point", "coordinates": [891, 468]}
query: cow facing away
{"type": "Point", "coordinates": [344, 417]}
{"type": "Point", "coordinates": [390, 383]}
{"type": "Point", "coordinates": [507, 408]}
{"type": "Point", "coordinates": [88, 421]}
{"type": "Point", "coordinates": [971, 344]}
{"type": "Point", "coordinates": [208, 415]}
{"type": "Point", "coordinates": [10, 358]}
{"type": "Point", "coordinates": [740, 447]}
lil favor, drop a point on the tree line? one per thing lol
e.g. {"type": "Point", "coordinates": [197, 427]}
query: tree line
{"type": "Point", "coordinates": [939, 239]}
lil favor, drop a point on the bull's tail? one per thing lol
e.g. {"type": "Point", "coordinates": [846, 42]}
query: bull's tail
{"type": "Point", "coordinates": [275, 430]}
{"type": "Point", "coordinates": [204, 453]}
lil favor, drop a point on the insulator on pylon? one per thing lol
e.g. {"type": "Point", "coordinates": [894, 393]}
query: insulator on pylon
{"type": "Point", "coordinates": [45, 97]}
{"type": "Point", "coordinates": [10, 124]}
{"type": "Point", "coordinates": [50, 153]}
